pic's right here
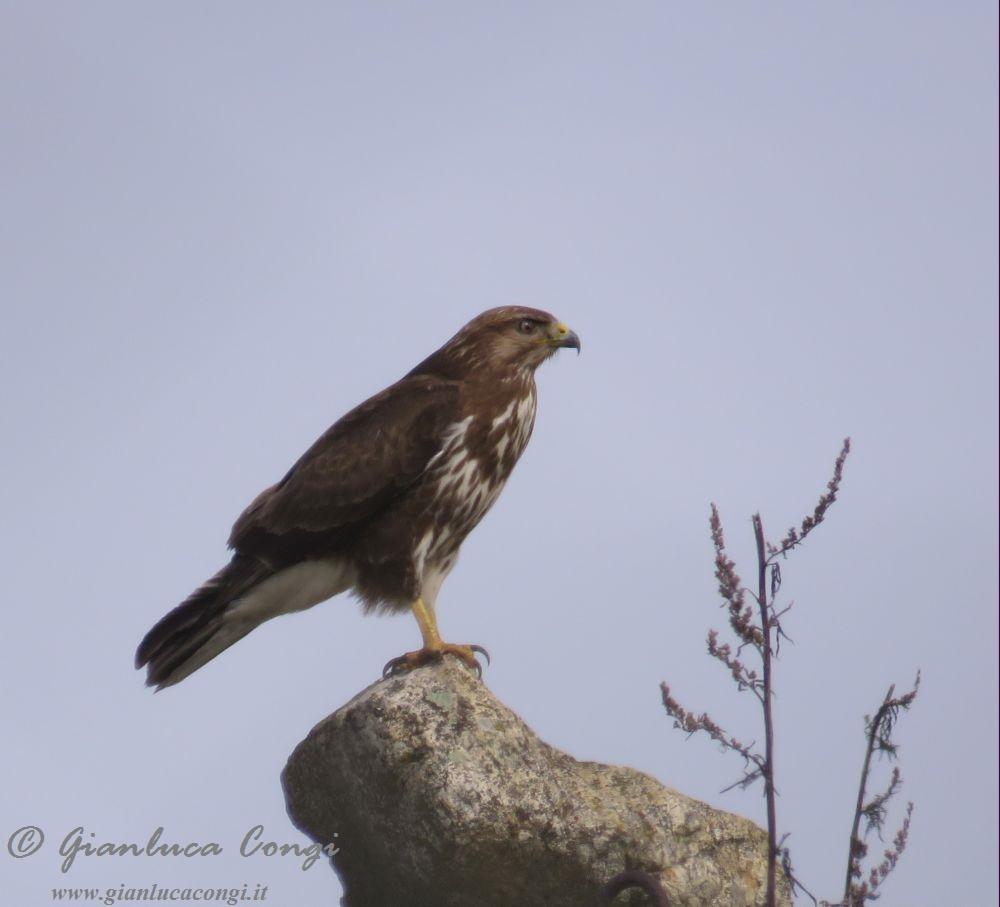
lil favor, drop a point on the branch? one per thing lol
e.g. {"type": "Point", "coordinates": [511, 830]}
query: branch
{"type": "Point", "coordinates": [730, 587]}
{"type": "Point", "coordinates": [786, 865]}
{"type": "Point", "coordinates": [692, 724]}
{"type": "Point", "coordinates": [766, 626]}
{"type": "Point", "coordinates": [796, 537]}
{"type": "Point", "coordinates": [878, 734]}
{"type": "Point", "coordinates": [746, 679]}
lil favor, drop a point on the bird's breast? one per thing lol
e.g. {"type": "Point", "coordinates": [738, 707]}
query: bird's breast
{"type": "Point", "coordinates": [466, 477]}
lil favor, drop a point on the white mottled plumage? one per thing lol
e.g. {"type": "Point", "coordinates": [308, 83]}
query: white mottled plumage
{"type": "Point", "coordinates": [458, 476]}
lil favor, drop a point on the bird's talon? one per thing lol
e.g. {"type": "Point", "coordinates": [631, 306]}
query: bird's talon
{"type": "Point", "coordinates": [482, 652]}
{"type": "Point", "coordinates": [421, 657]}
{"type": "Point", "coordinates": [393, 666]}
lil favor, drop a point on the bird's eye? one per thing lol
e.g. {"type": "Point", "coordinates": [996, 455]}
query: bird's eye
{"type": "Point", "coordinates": [526, 326]}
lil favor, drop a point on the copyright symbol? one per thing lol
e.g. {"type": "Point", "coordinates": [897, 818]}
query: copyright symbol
{"type": "Point", "coordinates": [25, 841]}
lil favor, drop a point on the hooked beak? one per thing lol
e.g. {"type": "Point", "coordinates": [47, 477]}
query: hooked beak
{"type": "Point", "coordinates": [561, 336]}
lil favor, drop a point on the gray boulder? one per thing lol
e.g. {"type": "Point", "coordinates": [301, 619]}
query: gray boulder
{"type": "Point", "coordinates": [438, 795]}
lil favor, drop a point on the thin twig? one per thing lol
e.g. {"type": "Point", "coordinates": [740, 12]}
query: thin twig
{"type": "Point", "coordinates": [768, 770]}
{"type": "Point", "coordinates": [878, 738]}
{"type": "Point", "coordinates": [796, 537]}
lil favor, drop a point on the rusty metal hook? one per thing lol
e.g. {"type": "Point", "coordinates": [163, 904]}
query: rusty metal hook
{"type": "Point", "coordinates": [636, 878]}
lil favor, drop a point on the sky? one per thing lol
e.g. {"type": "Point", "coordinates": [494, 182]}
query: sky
{"type": "Point", "coordinates": [772, 225]}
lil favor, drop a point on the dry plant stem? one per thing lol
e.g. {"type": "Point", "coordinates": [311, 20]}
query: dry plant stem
{"type": "Point", "coordinates": [768, 772]}
{"type": "Point", "coordinates": [878, 738]}
{"type": "Point", "coordinates": [859, 808]}
{"type": "Point", "coordinates": [763, 633]}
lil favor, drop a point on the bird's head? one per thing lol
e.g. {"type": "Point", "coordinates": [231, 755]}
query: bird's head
{"type": "Point", "coordinates": [511, 338]}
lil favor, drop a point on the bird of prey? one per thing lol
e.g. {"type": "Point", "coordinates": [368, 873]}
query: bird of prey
{"type": "Point", "coordinates": [380, 503]}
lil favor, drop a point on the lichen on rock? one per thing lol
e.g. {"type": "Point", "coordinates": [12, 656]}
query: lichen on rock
{"type": "Point", "coordinates": [438, 795]}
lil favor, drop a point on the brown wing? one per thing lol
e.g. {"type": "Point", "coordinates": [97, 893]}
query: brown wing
{"type": "Point", "coordinates": [361, 463]}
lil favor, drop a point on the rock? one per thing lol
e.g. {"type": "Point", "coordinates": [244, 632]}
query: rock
{"type": "Point", "coordinates": [438, 795]}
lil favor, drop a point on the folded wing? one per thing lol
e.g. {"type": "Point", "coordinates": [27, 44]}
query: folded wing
{"type": "Point", "coordinates": [356, 468]}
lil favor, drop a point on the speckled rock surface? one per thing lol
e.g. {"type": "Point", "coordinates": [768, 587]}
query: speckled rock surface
{"type": "Point", "coordinates": [438, 795]}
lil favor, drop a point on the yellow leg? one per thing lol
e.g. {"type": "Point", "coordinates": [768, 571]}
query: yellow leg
{"type": "Point", "coordinates": [427, 621]}
{"type": "Point", "coordinates": [433, 649]}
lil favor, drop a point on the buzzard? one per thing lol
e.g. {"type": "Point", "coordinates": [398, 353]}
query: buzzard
{"type": "Point", "coordinates": [380, 503]}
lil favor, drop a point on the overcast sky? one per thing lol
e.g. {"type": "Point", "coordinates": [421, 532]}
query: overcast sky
{"type": "Point", "coordinates": [773, 225]}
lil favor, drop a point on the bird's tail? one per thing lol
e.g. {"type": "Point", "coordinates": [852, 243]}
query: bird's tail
{"type": "Point", "coordinates": [196, 630]}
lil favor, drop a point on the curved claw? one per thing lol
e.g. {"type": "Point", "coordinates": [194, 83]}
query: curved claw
{"type": "Point", "coordinates": [472, 662]}
{"type": "Point", "coordinates": [393, 666]}
{"type": "Point", "coordinates": [420, 657]}
{"type": "Point", "coordinates": [482, 652]}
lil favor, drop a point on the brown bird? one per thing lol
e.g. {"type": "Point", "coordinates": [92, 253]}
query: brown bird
{"type": "Point", "coordinates": [380, 503]}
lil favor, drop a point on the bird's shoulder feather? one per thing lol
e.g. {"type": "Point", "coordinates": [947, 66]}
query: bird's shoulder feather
{"type": "Point", "coordinates": [362, 462]}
